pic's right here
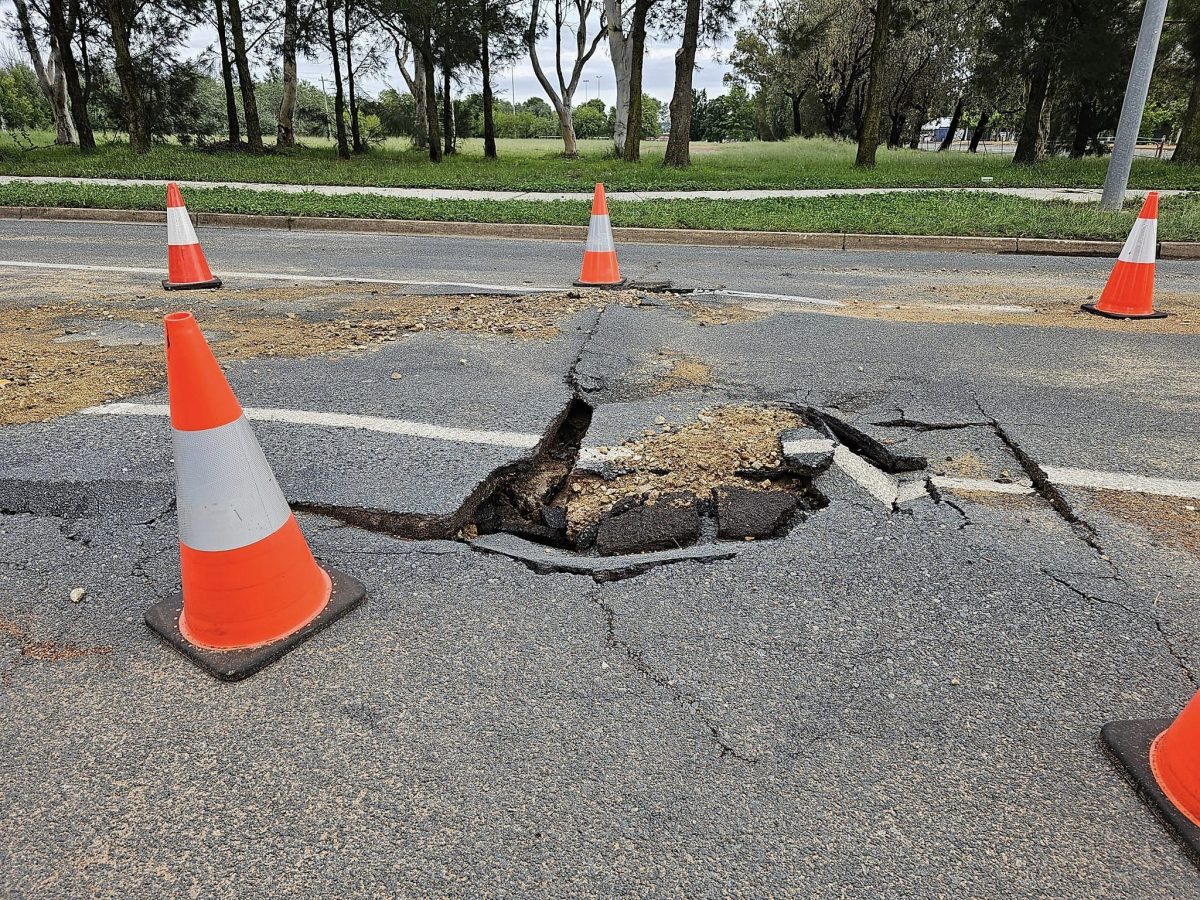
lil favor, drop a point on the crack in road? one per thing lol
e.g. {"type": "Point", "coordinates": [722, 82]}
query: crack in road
{"type": "Point", "coordinates": [1086, 532]}
{"type": "Point", "coordinates": [678, 696]}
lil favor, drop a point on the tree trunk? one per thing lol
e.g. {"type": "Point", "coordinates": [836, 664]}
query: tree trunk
{"type": "Point", "coordinates": [485, 69]}
{"type": "Point", "coordinates": [868, 140]}
{"type": "Point", "coordinates": [1083, 129]}
{"type": "Point", "coordinates": [355, 132]}
{"type": "Point", "coordinates": [448, 124]}
{"type": "Point", "coordinates": [64, 125]}
{"type": "Point", "coordinates": [285, 133]}
{"type": "Point", "coordinates": [895, 136]}
{"type": "Point", "coordinates": [79, 111]}
{"type": "Point", "coordinates": [49, 76]}
{"type": "Point", "coordinates": [914, 143]}
{"type": "Point", "coordinates": [981, 128]}
{"type": "Point", "coordinates": [952, 131]}
{"type": "Point", "coordinates": [339, 99]}
{"type": "Point", "coordinates": [431, 110]}
{"type": "Point", "coordinates": [678, 143]}
{"type": "Point", "coordinates": [796, 123]}
{"type": "Point", "coordinates": [1187, 148]}
{"type": "Point", "coordinates": [231, 113]}
{"type": "Point", "coordinates": [416, 87]}
{"type": "Point", "coordinates": [131, 95]}
{"type": "Point", "coordinates": [620, 49]}
{"type": "Point", "coordinates": [249, 104]}
{"type": "Point", "coordinates": [637, 38]}
{"type": "Point", "coordinates": [1031, 145]}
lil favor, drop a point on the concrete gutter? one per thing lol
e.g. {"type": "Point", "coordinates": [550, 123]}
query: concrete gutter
{"type": "Point", "coordinates": [694, 237]}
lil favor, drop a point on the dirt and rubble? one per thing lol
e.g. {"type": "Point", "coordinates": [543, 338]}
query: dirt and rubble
{"type": "Point", "coordinates": [1035, 304]}
{"type": "Point", "coordinates": [721, 475]}
{"type": "Point", "coordinates": [695, 457]}
{"type": "Point", "coordinates": [1173, 521]}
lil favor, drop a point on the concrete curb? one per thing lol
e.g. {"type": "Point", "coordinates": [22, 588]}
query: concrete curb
{"type": "Point", "coordinates": [695, 237]}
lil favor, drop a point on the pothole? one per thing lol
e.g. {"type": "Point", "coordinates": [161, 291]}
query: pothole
{"type": "Point", "coordinates": [724, 476]}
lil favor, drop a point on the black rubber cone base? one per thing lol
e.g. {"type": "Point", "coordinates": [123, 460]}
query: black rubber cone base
{"type": "Point", "coordinates": [1129, 745]}
{"type": "Point", "coordinates": [191, 285]}
{"type": "Point", "coordinates": [610, 285]}
{"type": "Point", "coordinates": [1091, 307]}
{"type": "Point", "coordinates": [234, 665]}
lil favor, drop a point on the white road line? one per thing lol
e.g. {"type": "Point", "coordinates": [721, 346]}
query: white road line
{"type": "Point", "coordinates": [751, 295]}
{"type": "Point", "coordinates": [514, 439]}
{"type": "Point", "coordinates": [879, 484]}
{"type": "Point", "coordinates": [885, 488]}
{"type": "Point", "coordinates": [981, 484]}
{"type": "Point", "coordinates": [807, 445]}
{"type": "Point", "coordinates": [1120, 481]}
{"type": "Point", "coordinates": [281, 276]}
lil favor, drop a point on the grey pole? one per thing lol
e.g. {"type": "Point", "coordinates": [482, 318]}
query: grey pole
{"type": "Point", "coordinates": [1135, 102]}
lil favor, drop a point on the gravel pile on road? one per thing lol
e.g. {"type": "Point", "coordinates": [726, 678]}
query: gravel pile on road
{"type": "Point", "coordinates": [695, 457]}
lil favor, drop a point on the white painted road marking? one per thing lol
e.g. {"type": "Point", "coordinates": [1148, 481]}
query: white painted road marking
{"type": "Point", "coordinates": [751, 295]}
{"type": "Point", "coordinates": [807, 445]}
{"type": "Point", "coordinates": [982, 484]}
{"type": "Point", "coordinates": [514, 439]}
{"type": "Point", "coordinates": [1120, 481]}
{"type": "Point", "coordinates": [281, 276]}
{"type": "Point", "coordinates": [887, 489]}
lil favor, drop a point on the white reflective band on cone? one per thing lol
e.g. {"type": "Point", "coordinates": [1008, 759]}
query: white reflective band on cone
{"type": "Point", "coordinates": [179, 226]}
{"type": "Point", "coordinates": [600, 239]}
{"type": "Point", "coordinates": [1141, 243]}
{"type": "Point", "coordinates": [225, 492]}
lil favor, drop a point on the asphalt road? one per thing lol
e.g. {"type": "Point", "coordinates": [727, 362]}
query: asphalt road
{"type": "Point", "coordinates": [888, 702]}
{"type": "Point", "coordinates": [536, 263]}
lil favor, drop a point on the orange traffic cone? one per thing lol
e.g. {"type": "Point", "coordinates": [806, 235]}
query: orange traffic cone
{"type": "Point", "coordinates": [187, 268]}
{"type": "Point", "coordinates": [251, 588]}
{"type": "Point", "coordinates": [600, 255]}
{"type": "Point", "coordinates": [1162, 757]}
{"type": "Point", "coordinates": [1129, 293]}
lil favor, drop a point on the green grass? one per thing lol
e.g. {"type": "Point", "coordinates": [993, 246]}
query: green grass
{"type": "Point", "coordinates": [536, 165]}
{"type": "Point", "coordinates": [897, 213]}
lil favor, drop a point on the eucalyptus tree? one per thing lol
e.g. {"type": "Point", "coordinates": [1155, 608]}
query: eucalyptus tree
{"type": "Point", "coordinates": [571, 16]}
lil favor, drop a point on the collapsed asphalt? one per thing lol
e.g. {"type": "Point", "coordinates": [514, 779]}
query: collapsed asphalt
{"type": "Point", "coordinates": [884, 702]}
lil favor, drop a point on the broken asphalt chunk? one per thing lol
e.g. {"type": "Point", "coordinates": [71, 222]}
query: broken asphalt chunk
{"type": "Point", "coordinates": [636, 527]}
{"type": "Point", "coordinates": [743, 513]}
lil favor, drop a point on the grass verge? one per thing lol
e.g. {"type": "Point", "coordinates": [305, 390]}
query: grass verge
{"type": "Point", "coordinates": [973, 214]}
{"type": "Point", "coordinates": [538, 165]}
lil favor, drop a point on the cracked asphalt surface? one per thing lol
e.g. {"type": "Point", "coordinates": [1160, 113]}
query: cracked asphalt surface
{"type": "Point", "coordinates": [886, 702]}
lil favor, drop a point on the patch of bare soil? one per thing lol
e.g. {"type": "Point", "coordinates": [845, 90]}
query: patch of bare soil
{"type": "Point", "coordinates": [1036, 305]}
{"type": "Point", "coordinates": [678, 371]}
{"type": "Point", "coordinates": [40, 379]}
{"type": "Point", "coordinates": [531, 316]}
{"type": "Point", "coordinates": [964, 465]}
{"type": "Point", "coordinates": [718, 313]}
{"type": "Point", "coordinates": [1174, 521]}
{"type": "Point", "coordinates": [697, 457]}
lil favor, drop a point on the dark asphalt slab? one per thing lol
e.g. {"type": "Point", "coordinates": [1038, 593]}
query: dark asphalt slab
{"type": "Point", "coordinates": [750, 726]}
{"type": "Point", "coordinates": [1071, 397]}
{"type": "Point", "coordinates": [884, 703]}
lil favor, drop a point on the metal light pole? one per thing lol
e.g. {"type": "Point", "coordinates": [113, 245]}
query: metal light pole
{"type": "Point", "coordinates": [598, 77]}
{"type": "Point", "coordinates": [325, 100]}
{"type": "Point", "coordinates": [585, 89]}
{"type": "Point", "coordinates": [1135, 102]}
